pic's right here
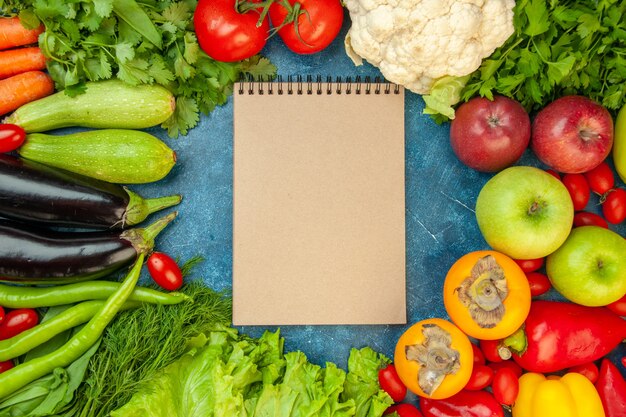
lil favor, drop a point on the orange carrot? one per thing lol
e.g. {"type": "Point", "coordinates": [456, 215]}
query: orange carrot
{"type": "Point", "coordinates": [16, 61]}
{"type": "Point", "coordinates": [13, 33]}
{"type": "Point", "coordinates": [23, 88]}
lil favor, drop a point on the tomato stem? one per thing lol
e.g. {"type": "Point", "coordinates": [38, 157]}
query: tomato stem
{"type": "Point", "coordinates": [293, 16]}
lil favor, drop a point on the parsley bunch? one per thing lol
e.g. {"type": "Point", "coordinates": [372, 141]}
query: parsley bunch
{"type": "Point", "coordinates": [139, 42]}
{"type": "Point", "coordinates": [559, 47]}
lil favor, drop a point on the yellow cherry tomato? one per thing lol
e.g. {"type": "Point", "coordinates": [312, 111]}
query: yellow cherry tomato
{"type": "Point", "coordinates": [434, 358]}
{"type": "Point", "coordinates": [486, 294]}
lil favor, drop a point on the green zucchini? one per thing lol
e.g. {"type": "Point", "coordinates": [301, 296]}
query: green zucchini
{"type": "Point", "coordinates": [113, 155]}
{"type": "Point", "coordinates": [105, 104]}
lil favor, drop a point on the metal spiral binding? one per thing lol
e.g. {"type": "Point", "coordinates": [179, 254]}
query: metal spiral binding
{"type": "Point", "coordinates": [298, 85]}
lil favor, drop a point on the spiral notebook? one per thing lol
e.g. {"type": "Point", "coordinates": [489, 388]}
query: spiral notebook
{"type": "Point", "coordinates": [318, 203]}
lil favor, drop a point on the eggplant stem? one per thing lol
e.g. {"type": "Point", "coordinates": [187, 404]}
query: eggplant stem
{"type": "Point", "coordinates": [139, 208]}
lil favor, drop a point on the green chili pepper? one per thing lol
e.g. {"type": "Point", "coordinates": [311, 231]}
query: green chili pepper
{"type": "Point", "coordinates": [35, 297]}
{"type": "Point", "coordinates": [19, 376]}
{"type": "Point", "coordinates": [33, 337]}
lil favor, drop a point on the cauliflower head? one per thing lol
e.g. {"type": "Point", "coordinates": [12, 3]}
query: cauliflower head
{"type": "Point", "coordinates": [416, 42]}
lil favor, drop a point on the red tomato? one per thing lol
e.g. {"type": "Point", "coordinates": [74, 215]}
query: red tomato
{"type": "Point", "coordinates": [11, 137]}
{"type": "Point", "coordinates": [481, 378]}
{"type": "Point", "coordinates": [539, 283]}
{"type": "Point", "coordinates": [318, 24]}
{"type": "Point", "coordinates": [505, 386]}
{"type": "Point", "coordinates": [1, 314]}
{"type": "Point", "coordinates": [578, 189]}
{"type": "Point", "coordinates": [554, 174]}
{"type": "Point", "coordinates": [479, 357]}
{"type": "Point", "coordinates": [619, 306]}
{"type": "Point", "coordinates": [16, 321]}
{"type": "Point", "coordinates": [623, 360]}
{"type": "Point", "coordinates": [164, 271]}
{"type": "Point", "coordinates": [404, 410]}
{"type": "Point", "coordinates": [227, 35]}
{"type": "Point", "coordinates": [496, 366]}
{"type": "Point", "coordinates": [530, 265]}
{"type": "Point", "coordinates": [589, 370]}
{"type": "Point", "coordinates": [491, 349]}
{"type": "Point", "coordinates": [601, 178]}
{"type": "Point", "coordinates": [614, 206]}
{"type": "Point", "coordinates": [585, 218]}
{"type": "Point", "coordinates": [390, 382]}
{"type": "Point", "coordinates": [6, 365]}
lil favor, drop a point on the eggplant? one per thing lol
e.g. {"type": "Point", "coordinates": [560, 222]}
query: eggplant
{"type": "Point", "coordinates": [32, 192]}
{"type": "Point", "coordinates": [42, 256]}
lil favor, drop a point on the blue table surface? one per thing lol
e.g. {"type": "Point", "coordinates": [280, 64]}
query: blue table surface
{"type": "Point", "coordinates": [440, 198]}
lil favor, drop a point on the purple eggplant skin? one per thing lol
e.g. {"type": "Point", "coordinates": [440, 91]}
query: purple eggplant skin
{"type": "Point", "coordinates": [41, 256]}
{"type": "Point", "coordinates": [35, 193]}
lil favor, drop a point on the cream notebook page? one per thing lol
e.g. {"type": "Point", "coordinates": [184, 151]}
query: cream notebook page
{"type": "Point", "coordinates": [318, 204]}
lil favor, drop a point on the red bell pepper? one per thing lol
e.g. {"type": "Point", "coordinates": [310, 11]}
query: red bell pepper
{"type": "Point", "coordinates": [558, 335]}
{"type": "Point", "coordinates": [612, 389]}
{"type": "Point", "coordinates": [465, 403]}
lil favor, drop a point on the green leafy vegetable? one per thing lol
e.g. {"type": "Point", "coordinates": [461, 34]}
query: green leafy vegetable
{"type": "Point", "coordinates": [139, 42]}
{"type": "Point", "coordinates": [228, 374]}
{"type": "Point", "coordinates": [559, 47]}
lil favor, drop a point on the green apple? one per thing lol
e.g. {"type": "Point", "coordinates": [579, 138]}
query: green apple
{"type": "Point", "coordinates": [619, 144]}
{"type": "Point", "coordinates": [590, 267]}
{"type": "Point", "coordinates": [524, 212]}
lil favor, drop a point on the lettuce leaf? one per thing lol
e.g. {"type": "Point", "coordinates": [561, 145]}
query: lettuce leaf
{"type": "Point", "coordinates": [226, 374]}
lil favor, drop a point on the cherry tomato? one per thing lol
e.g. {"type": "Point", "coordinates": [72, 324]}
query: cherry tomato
{"type": "Point", "coordinates": [623, 360]}
{"type": "Point", "coordinates": [6, 365]}
{"type": "Point", "coordinates": [457, 351]}
{"type": "Point", "coordinates": [491, 350]}
{"type": "Point", "coordinates": [589, 370]}
{"type": "Point", "coordinates": [585, 218]}
{"type": "Point", "coordinates": [11, 137]}
{"type": "Point", "coordinates": [539, 283]}
{"type": "Point", "coordinates": [16, 321]}
{"type": "Point", "coordinates": [578, 189]}
{"type": "Point", "coordinates": [479, 358]}
{"type": "Point", "coordinates": [530, 265]}
{"type": "Point", "coordinates": [1, 314]}
{"type": "Point", "coordinates": [164, 271]}
{"type": "Point", "coordinates": [481, 378]}
{"type": "Point", "coordinates": [506, 364]}
{"type": "Point", "coordinates": [227, 35]}
{"type": "Point", "coordinates": [318, 24]}
{"type": "Point", "coordinates": [463, 306]}
{"type": "Point", "coordinates": [554, 174]}
{"type": "Point", "coordinates": [505, 386]}
{"type": "Point", "coordinates": [614, 206]}
{"type": "Point", "coordinates": [618, 307]}
{"type": "Point", "coordinates": [390, 382]}
{"type": "Point", "coordinates": [404, 410]}
{"type": "Point", "coordinates": [601, 178]}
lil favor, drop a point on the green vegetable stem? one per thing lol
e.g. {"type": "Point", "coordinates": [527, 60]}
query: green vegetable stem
{"type": "Point", "coordinates": [19, 376]}
{"type": "Point", "coordinates": [72, 317]}
{"type": "Point", "coordinates": [12, 296]}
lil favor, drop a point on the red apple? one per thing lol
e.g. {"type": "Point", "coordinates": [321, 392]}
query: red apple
{"type": "Point", "coordinates": [490, 135]}
{"type": "Point", "coordinates": [573, 134]}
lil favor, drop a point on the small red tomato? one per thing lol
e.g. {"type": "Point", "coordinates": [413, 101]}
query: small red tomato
{"type": "Point", "coordinates": [6, 365]}
{"type": "Point", "coordinates": [11, 137]}
{"type": "Point", "coordinates": [17, 321]}
{"type": "Point", "coordinates": [530, 265]}
{"type": "Point", "coordinates": [404, 410]}
{"type": "Point", "coordinates": [585, 218]}
{"type": "Point", "coordinates": [505, 386]}
{"type": "Point", "coordinates": [619, 306]}
{"type": "Point", "coordinates": [1, 314]}
{"type": "Point", "coordinates": [491, 350]}
{"type": "Point", "coordinates": [481, 378]}
{"type": "Point", "coordinates": [479, 357]}
{"type": "Point", "coordinates": [496, 366]}
{"type": "Point", "coordinates": [601, 178]}
{"type": "Point", "coordinates": [614, 206]}
{"type": "Point", "coordinates": [391, 383]}
{"type": "Point", "coordinates": [578, 189]}
{"type": "Point", "coordinates": [623, 360]}
{"type": "Point", "coordinates": [164, 271]}
{"type": "Point", "coordinates": [554, 174]}
{"type": "Point", "coordinates": [589, 370]}
{"type": "Point", "coordinates": [539, 283]}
